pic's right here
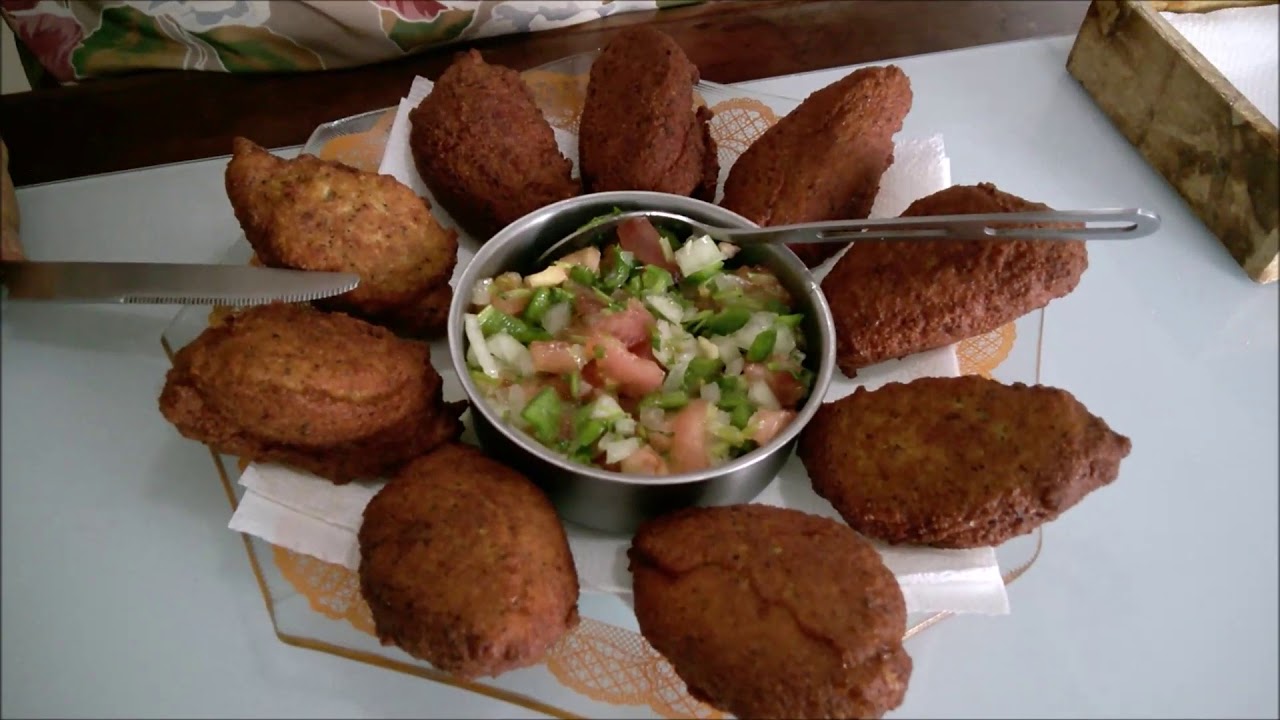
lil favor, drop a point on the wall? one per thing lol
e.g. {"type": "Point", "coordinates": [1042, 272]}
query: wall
{"type": "Point", "coordinates": [12, 79]}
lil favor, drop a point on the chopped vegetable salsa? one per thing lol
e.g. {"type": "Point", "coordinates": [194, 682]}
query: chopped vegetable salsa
{"type": "Point", "coordinates": [647, 355]}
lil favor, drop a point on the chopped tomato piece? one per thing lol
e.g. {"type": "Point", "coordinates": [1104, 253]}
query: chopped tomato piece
{"type": "Point", "coordinates": [639, 237]}
{"type": "Point", "coordinates": [768, 423]}
{"type": "Point", "coordinates": [512, 303]}
{"type": "Point", "coordinates": [586, 303]}
{"type": "Point", "coordinates": [643, 349]}
{"type": "Point", "coordinates": [644, 461]}
{"type": "Point", "coordinates": [634, 375]}
{"type": "Point", "coordinates": [786, 388]}
{"type": "Point", "coordinates": [533, 386]}
{"type": "Point", "coordinates": [689, 438]}
{"type": "Point", "coordinates": [661, 441]}
{"type": "Point", "coordinates": [631, 324]}
{"type": "Point", "coordinates": [591, 373]}
{"type": "Point", "coordinates": [554, 356]}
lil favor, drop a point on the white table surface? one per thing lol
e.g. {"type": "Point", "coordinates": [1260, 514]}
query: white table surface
{"type": "Point", "coordinates": [125, 594]}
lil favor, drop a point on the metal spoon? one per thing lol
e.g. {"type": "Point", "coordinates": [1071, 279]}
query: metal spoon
{"type": "Point", "coordinates": [1101, 224]}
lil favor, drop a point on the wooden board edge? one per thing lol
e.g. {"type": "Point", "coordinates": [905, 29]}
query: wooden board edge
{"type": "Point", "coordinates": [1211, 143]}
{"type": "Point", "coordinates": [1204, 6]}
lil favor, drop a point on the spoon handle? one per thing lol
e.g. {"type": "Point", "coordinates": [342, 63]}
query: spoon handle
{"type": "Point", "coordinates": [1103, 224]}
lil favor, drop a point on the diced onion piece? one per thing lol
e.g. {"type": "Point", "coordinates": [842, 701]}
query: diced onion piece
{"type": "Point", "coordinates": [509, 350]}
{"type": "Point", "coordinates": [760, 394]}
{"type": "Point", "coordinates": [625, 426]}
{"type": "Point", "coordinates": [675, 378]}
{"type": "Point", "coordinates": [727, 347]}
{"type": "Point", "coordinates": [516, 400]}
{"type": "Point", "coordinates": [653, 418]}
{"type": "Point", "coordinates": [471, 324]}
{"type": "Point", "coordinates": [758, 323]}
{"type": "Point", "coordinates": [588, 257]}
{"type": "Point", "coordinates": [550, 277]}
{"type": "Point", "coordinates": [726, 282]}
{"type": "Point", "coordinates": [721, 426]}
{"type": "Point", "coordinates": [665, 244]}
{"type": "Point", "coordinates": [480, 293]}
{"type": "Point", "coordinates": [606, 408]}
{"type": "Point", "coordinates": [728, 249]}
{"type": "Point", "coordinates": [674, 345]}
{"type": "Point", "coordinates": [697, 254]}
{"type": "Point", "coordinates": [708, 349]}
{"type": "Point", "coordinates": [785, 341]}
{"type": "Point", "coordinates": [557, 318]}
{"type": "Point", "coordinates": [734, 366]}
{"type": "Point", "coordinates": [710, 392]}
{"type": "Point", "coordinates": [618, 449]}
{"type": "Point", "coordinates": [666, 307]}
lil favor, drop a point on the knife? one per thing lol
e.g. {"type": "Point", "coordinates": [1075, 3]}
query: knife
{"type": "Point", "coordinates": [168, 283]}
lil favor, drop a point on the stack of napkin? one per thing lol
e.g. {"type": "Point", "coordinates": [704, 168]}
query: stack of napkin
{"type": "Point", "coordinates": [1241, 43]}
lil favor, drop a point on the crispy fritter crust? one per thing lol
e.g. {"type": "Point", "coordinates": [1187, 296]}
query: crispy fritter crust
{"type": "Point", "coordinates": [957, 462]}
{"type": "Point", "coordinates": [770, 612]}
{"type": "Point", "coordinates": [484, 148]}
{"type": "Point", "coordinates": [639, 129]}
{"type": "Point", "coordinates": [313, 214]}
{"type": "Point", "coordinates": [323, 392]}
{"type": "Point", "coordinates": [892, 299]}
{"type": "Point", "coordinates": [427, 318]}
{"type": "Point", "coordinates": [824, 160]}
{"type": "Point", "coordinates": [464, 564]}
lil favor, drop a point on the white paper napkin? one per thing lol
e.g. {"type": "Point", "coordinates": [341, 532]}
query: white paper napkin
{"type": "Point", "coordinates": [1242, 44]}
{"type": "Point", "coordinates": [311, 516]}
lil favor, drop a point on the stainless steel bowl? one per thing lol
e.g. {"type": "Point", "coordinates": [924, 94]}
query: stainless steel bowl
{"type": "Point", "coordinates": [617, 502]}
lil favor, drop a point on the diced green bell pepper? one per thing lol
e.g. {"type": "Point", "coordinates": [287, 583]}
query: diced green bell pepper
{"type": "Point", "coordinates": [762, 346]}
{"type": "Point", "coordinates": [543, 415]}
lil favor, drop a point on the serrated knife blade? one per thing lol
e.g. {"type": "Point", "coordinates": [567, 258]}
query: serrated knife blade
{"type": "Point", "coordinates": [168, 283]}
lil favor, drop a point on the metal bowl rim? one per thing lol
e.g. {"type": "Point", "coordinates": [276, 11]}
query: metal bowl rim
{"type": "Point", "coordinates": [518, 228]}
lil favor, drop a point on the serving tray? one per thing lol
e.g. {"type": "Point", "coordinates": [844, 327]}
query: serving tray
{"type": "Point", "coordinates": [604, 668]}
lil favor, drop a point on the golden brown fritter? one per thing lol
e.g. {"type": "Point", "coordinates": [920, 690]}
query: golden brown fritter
{"type": "Point", "coordinates": [957, 462]}
{"type": "Point", "coordinates": [770, 612]}
{"type": "Point", "coordinates": [891, 299]}
{"type": "Point", "coordinates": [639, 129]}
{"type": "Point", "coordinates": [484, 148]}
{"type": "Point", "coordinates": [323, 392]}
{"type": "Point", "coordinates": [824, 160]}
{"type": "Point", "coordinates": [464, 564]}
{"type": "Point", "coordinates": [313, 214]}
{"type": "Point", "coordinates": [428, 317]}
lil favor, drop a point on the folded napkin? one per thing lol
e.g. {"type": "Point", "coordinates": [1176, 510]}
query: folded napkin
{"type": "Point", "coordinates": [1241, 44]}
{"type": "Point", "coordinates": [309, 515]}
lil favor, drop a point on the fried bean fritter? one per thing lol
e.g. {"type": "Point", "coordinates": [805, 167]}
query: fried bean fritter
{"type": "Point", "coordinates": [464, 564]}
{"type": "Point", "coordinates": [770, 612]}
{"type": "Point", "coordinates": [824, 160]}
{"type": "Point", "coordinates": [957, 462]}
{"type": "Point", "coordinates": [639, 129]}
{"type": "Point", "coordinates": [313, 214]}
{"type": "Point", "coordinates": [323, 392]}
{"type": "Point", "coordinates": [892, 299]}
{"type": "Point", "coordinates": [484, 148]}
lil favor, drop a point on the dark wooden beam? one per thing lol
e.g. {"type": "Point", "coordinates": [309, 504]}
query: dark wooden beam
{"type": "Point", "coordinates": [134, 121]}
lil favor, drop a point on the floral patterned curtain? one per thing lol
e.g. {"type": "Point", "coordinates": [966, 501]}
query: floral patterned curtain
{"type": "Point", "coordinates": [77, 39]}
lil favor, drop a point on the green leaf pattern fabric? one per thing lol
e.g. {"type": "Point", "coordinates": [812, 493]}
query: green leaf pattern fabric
{"type": "Point", "coordinates": [93, 38]}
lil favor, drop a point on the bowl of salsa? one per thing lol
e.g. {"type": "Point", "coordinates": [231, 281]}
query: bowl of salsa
{"type": "Point", "coordinates": [653, 370]}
